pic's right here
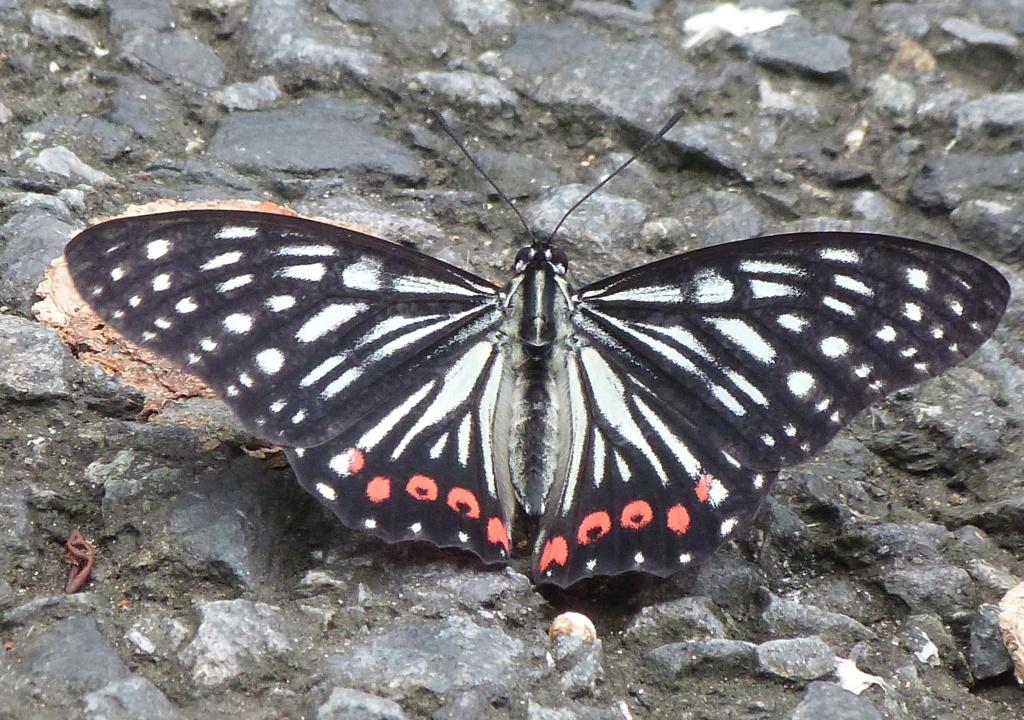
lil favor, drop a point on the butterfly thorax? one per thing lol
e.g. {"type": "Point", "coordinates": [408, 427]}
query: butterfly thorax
{"type": "Point", "coordinates": [538, 307]}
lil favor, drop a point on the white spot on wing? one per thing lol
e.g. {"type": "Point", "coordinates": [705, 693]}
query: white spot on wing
{"type": "Point", "coordinates": [428, 286]}
{"type": "Point", "coordinates": [341, 382]}
{"type": "Point", "coordinates": [838, 305]}
{"type": "Point", "coordinates": [326, 491]}
{"type": "Point", "coordinates": [117, 273]}
{"type": "Point", "coordinates": [157, 249]}
{"type": "Point", "coordinates": [834, 347]}
{"type": "Point", "coordinates": [236, 232]}
{"type": "Point", "coordinates": [770, 268]}
{"type": "Point", "coordinates": [234, 283]}
{"type": "Point", "coordinates": [842, 255]}
{"type": "Point", "coordinates": [328, 320]}
{"type": "Point", "coordinates": [208, 344]}
{"type": "Point", "coordinates": [918, 278]}
{"type": "Point", "coordinates": [321, 370]}
{"type": "Point", "coordinates": [800, 383]}
{"type": "Point", "coordinates": [305, 251]}
{"type": "Point", "coordinates": [886, 334]}
{"type": "Point", "coordinates": [362, 275]}
{"type": "Point", "coordinates": [161, 282]}
{"type": "Point", "coordinates": [270, 360]}
{"type": "Point", "coordinates": [279, 303]}
{"type": "Point", "coordinates": [913, 311]}
{"type": "Point", "coordinates": [228, 258]}
{"type": "Point", "coordinates": [708, 287]}
{"type": "Point", "coordinates": [853, 284]}
{"type": "Point", "coordinates": [312, 272]}
{"type": "Point", "coordinates": [186, 305]}
{"type": "Point", "coordinates": [762, 289]}
{"type": "Point", "coordinates": [792, 322]}
{"type": "Point", "coordinates": [238, 323]}
{"type": "Point", "coordinates": [746, 337]}
{"type": "Point", "coordinates": [379, 431]}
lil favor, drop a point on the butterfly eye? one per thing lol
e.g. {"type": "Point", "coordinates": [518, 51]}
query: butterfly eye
{"type": "Point", "coordinates": [523, 258]}
{"type": "Point", "coordinates": [559, 261]}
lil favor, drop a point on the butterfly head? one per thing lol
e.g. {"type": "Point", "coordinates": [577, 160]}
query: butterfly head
{"type": "Point", "coordinates": [539, 257]}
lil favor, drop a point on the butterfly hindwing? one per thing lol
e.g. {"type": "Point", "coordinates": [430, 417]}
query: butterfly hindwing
{"type": "Point", "coordinates": [422, 467]}
{"type": "Point", "coordinates": [287, 319]}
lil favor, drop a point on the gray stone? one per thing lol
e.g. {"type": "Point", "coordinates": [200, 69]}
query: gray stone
{"type": "Point", "coordinates": [67, 33]}
{"type": "Point", "coordinates": [483, 15]}
{"type": "Point", "coordinates": [986, 652]}
{"type": "Point", "coordinates": [710, 146]}
{"type": "Point", "coordinates": [828, 700]}
{"type": "Point", "coordinates": [236, 637]}
{"type": "Point", "coordinates": [716, 656]}
{"type": "Point", "coordinates": [688, 618]}
{"type": "Point", "coordinates": [974, 34]}
{"type": "Point", "coordinates": [347, 704]}
{"type": "Point", "coordinates": [994, 114]}
{"type": "Point", "coordinates": [996, 226]}
{"type": "Point", "coordinates": [249, 96]}
{"type": "Point", "coordinates": [636, 82]}
{"type": "Point", "coordinates": [233, 520]}
{"type": "Point", "coordinates": [318, 134]}
{"type": "Point", "coordinates": [129, 699]}
{"type": "Point", "coordinates": [936, 587]}
{"type": "Point", "coordinates": [145, 108]}
{"type": "Point", "coordinates": [945, 182]}
{"type": "Point", "coordinates": [128, 15]}
{"type": "Point", "coordinates": [35, 364]}
{"type": "Point", "coordinates": [805, 658]}
{"type": "Point", "coordinates": [460, 85]}
{"type": "Point", "coordinates": [599, 225]}
{"type": "Point", "coordinates": [784, 617]}
{"type": "Point", "coordinates": [72, 652]}
{"type": "Point", "coordinates": [281, 39]}
{"type": "Point", "coordinates": [64, 163]}
{"type": "Point", "coordinates": [177, 55]}
{"type": "Point", "coordinates": [794, 50]}
{"type": "Point", "coordinates": [440, 656]}
{"type": "Point", "coordinates": [579, 664]}
{"type": "Point", "coordinates": [34, 236]}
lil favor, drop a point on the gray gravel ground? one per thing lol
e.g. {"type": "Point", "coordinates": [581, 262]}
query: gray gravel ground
{"type": "Point", "coordinates": [222, 591]}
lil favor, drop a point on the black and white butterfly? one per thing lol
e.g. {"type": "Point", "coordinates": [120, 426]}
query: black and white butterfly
{"type": "Point", "coordinates": [643, 417]}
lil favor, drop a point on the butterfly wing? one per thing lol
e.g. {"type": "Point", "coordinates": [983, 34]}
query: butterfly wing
{"type": "Point", "coordinates": [312, 333]}
{"type": "Point", "coordinates": [695, 378]}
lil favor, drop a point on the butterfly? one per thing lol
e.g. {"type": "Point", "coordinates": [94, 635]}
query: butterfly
{"type": "Point", "coordinates": [642, 418]}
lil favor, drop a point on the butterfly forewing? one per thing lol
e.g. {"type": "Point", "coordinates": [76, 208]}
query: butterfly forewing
{"type": "Point", "coordinates": [703, 374]}
{"type": "Point", "coordinates": [287, 319]}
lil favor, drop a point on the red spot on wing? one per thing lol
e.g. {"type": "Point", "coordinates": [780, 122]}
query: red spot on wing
{"type": "Point", "coordinates": [379, 489]}
{"type": "Point", "coordinates": [556, 550]}
{"type": "Point", "coordinates": [356, 460]}
{"type": "Point", "coordinates": [678, 519]}
{"type": "Point", "coordinates": [497, 534]}
{"type": "Point", "coordinates": [422, 488]}
{"type": "Point", "coordinates": [636, 514]}
{"type": "Point", "coordinates": [704, 487]}
{"type": "Point", "coordinates": [593, 527]}
{"type": "Point", "coordinates": [463, 501]}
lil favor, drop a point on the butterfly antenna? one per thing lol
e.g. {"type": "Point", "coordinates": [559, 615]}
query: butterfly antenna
{"type": "Point", "coordinates": [643, 149]}
{"type": "Point", "coordinates": [436, 114]}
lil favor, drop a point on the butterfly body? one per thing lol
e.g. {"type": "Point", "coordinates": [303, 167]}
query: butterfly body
{"type": "Point", "coordinates": [643, 417]}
